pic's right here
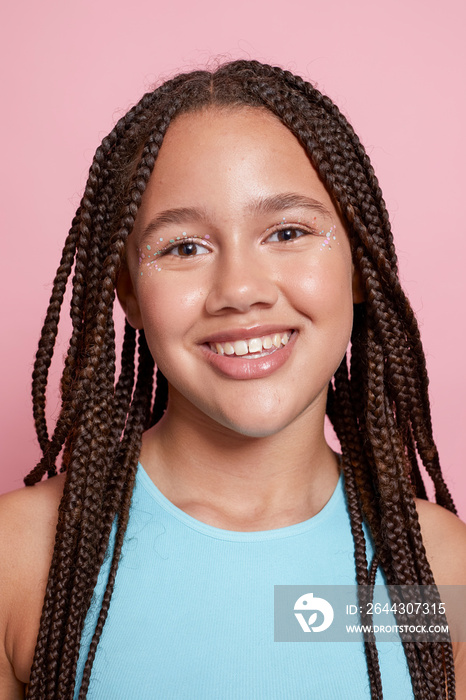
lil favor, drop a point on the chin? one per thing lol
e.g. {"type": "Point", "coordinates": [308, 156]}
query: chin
{"type": "Point", "coordinates": [262, 431]}
{"type": "Point", "coordinates": [257, 425]}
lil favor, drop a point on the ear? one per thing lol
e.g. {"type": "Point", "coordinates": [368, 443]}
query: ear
{"type": "Point", "coordinates": [358, 290]}
{"type": "Point", "coordinates": [127, 297]}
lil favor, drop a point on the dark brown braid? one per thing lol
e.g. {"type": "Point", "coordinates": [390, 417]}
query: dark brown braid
{"type": "Point", "coordinates": [378, 404]}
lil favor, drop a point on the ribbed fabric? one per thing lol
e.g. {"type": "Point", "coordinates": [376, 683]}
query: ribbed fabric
{"type": "Point", "coordinates": [192, 613]}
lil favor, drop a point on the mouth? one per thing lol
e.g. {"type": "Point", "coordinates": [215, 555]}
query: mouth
{"type": "Point", "coordinates": [252, 348]}
{"type": "Point", "coordinates": [242, 355]}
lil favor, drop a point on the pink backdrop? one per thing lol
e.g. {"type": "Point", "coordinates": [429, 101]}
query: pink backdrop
{"type": "Point", "coordinates": [70, 69]}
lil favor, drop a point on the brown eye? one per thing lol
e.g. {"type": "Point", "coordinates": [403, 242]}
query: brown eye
{"type": "Point", "coordinates": [286, 234]}
{"type": "Point", "coordinates": [188, 249]}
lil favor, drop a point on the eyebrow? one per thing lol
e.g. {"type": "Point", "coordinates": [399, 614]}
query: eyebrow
{"type": "Point", "coordinates": [288, 200]}
{"type": "Point", "coordinates": [182, 215]}
{"type": "Point", "coordinates": [261, 205]}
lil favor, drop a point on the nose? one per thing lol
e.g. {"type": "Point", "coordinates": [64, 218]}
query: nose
{"type": "Point", "coordinates": [240, 283]}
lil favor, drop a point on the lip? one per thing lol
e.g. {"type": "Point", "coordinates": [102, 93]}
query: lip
{"type": "Point", "coordinates": [245, 333]}
{"type": "Point", "coordinates": [252, 368]}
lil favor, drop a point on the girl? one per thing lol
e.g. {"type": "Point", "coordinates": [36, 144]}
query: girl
{"type": "Point", "coordinates": [239, 221]}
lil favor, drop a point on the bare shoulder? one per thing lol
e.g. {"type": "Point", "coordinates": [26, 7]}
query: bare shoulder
{"type": "Point", "coordinates": [444, 536]}
{"type": "Point", "coordinates": [28, 519]}
{"type": "Point", "coordinates": [34, 501]}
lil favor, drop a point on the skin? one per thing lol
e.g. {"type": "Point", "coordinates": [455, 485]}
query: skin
{"type": "Point", "coordinates": [241, 454]}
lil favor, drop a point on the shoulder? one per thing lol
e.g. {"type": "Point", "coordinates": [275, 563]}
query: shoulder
{"type": "Point", "coordinates": [28, 520]}
{"type": "Point", "coordinates": [444, 537]}
{"type": "Point", "coordinates": [31, 502]}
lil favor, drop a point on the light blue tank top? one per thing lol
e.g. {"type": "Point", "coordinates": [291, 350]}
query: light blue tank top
{"type": "Point", "coordinates": [192, 612]}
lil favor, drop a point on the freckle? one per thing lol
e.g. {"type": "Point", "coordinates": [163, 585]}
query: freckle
{"type": "Point", "coordinates": [148, 247]}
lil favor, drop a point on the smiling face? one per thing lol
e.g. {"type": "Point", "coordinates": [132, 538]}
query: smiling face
{"type": "Point", "coordinates": [240, 273]}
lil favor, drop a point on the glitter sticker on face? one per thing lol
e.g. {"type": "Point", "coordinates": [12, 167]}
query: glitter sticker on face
{"type": "Point", "coordinates": [147, 259]}
{"type": "Point", "coordinates": [144, 258]}
{"type": "Point", "coordinates": [329, 238]}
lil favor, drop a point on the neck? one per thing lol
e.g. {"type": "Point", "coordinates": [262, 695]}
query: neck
{"type": "Point", "coordinates": [241, 482]}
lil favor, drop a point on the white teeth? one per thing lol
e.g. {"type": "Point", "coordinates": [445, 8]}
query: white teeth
{"type": "Point", "coordinates": [241, 347]}
{"type": "Point", "coordinates": [267, 342]}
{"type": "Point", "coordinates": [253, 346]}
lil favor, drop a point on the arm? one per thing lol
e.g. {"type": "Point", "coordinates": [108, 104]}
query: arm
{"type": "Point", "coordinates": [28, 520]}
{"type": "Point", "coordinates": [11, 687]}
{"type": "Point", "coordinates": [444, 537]}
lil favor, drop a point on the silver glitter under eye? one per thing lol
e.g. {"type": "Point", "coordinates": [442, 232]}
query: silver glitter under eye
{"type": "Point", "coordinates": [145, 255]}
{"type": "Point", "coordinates": [329, 238]}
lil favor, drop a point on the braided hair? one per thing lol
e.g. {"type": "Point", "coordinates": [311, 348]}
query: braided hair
{"type": "Point", "coordinates": [377, 401]}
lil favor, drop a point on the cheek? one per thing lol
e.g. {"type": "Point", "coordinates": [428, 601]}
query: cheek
{"type": "Point", "coordinates": [322, 287]}
{"type": "Point", "coordinates": [168, 309]}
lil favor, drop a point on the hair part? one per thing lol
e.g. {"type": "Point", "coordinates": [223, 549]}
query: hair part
{"type": "Point", "coordinates": [378, 400]}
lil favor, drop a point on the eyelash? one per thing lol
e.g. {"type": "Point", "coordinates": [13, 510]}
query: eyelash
{"type": "Point", "coordinates": [200, 242]}
{"type": "Point", "coordinates": [288, 227]}
{"type": "Point", "coordinates": [181, 242]}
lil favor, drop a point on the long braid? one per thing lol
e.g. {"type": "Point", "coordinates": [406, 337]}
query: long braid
{"type": "Point", "coordinates": [123, 484]}
{"type": "Point", "coordinates": [380, 409]}
{"type": "Point", "coordinates": [47, 340]}
{"type": "Point", "coordinates": [349, 438]}
{"type": "Point", "coordinates": [161, 398]}
{"type": "Point", "coordinates": [401, 567]}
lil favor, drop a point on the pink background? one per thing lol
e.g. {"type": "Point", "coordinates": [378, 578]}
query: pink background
{"type": "Point", "coordinates": [70, 69]}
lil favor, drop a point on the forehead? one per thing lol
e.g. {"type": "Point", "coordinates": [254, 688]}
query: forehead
{"type": "Point", "coordinates": [237, 120]}
{"type": "Point", "coordinates": [222, 158]}
{"type": "Point", "coordinates": [228, 132]}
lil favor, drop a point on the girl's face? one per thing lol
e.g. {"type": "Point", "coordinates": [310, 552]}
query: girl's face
{"type": "Point", "coordinates": [240, 273]}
